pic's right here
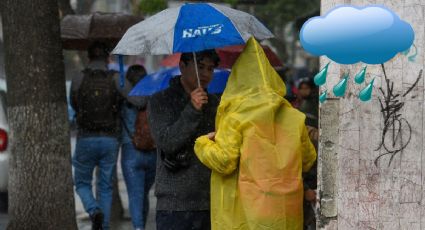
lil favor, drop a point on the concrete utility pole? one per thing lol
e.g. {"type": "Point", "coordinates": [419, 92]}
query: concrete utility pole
{"type": "Point", "coordinates": [356, 194]}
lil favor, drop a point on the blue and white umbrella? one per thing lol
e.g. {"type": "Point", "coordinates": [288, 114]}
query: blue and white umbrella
{"type": "Point", "coordinates": [191, 27]}
{"type": "Point", "coordinates": [158, 81]}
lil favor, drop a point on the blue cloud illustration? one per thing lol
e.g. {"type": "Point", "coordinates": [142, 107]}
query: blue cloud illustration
{"type": "Point", "coordinates": [347, 35]}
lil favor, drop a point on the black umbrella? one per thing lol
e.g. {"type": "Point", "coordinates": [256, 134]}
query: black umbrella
{"type": "Point", "coordinates": [78, 31]}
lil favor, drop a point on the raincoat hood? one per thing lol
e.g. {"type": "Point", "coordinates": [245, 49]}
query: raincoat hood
{"type": "Point", "coordinates": [260, 149]}
{"type": "Point", "coordinates": [252, 74]}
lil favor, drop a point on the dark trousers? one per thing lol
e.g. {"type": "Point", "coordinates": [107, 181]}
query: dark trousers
{"type": "Point", "coordinates": [183, 220]}
{"type": "Point", "coordinates": [309, 216]}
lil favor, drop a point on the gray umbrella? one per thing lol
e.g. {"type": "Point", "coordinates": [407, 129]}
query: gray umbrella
{"type": "Point", "coordinates": [78, 31]}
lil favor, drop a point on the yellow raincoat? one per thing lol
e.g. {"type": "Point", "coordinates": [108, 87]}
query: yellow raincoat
{"type": "Point", "coordinates": [260, 149]}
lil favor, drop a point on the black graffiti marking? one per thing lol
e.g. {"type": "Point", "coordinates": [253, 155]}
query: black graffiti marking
{"type": "Point", "coordinates": [391, 106]}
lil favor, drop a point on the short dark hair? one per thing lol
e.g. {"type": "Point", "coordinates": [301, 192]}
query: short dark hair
{"type": "Point", "coordinates": [306, 81]}
{"type": "Point", "coordinates": [200, 55]}
{"type": "Point", "coordinates": [135, 73]}
{"type": "Point", "coordinates": [136, 69]}
{"type": "Point", "coordinates": [98, 50]}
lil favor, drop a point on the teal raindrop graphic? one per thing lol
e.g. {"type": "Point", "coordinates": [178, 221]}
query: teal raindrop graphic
{"type": "Point", "coordinates": [359, 78]}
{"type": "Point", "coordinates": [411, 58]}
{"type": "Point", "coordinates": [323, 96]}
{"type": "Point", "coordinates": [340, 88]}
{"type": "Point", "coordinates": [320, 77]}
{"type": "Point", "coordinates": [366, 93]}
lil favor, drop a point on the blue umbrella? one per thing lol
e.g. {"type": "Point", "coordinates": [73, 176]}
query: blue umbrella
{"type": "Point", "coordinates": [158, 81]}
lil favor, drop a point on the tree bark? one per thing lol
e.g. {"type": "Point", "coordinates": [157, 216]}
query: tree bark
{"type": "Point", "coordinates": [40, 183]}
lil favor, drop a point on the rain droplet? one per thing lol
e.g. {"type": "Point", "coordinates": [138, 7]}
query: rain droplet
{"type": "Point", "coordinates": [359, 78]}
{"type": "Point", "coordinates": [323, 96]}
{"type": "Point", "coordinates": [320, 77]}
{"type": "Point", "coordinates": [339, 89]}
{"type": "Point", "coordinates": [366, 93]}
{"type": "Point", "coordinates": [412, 57]}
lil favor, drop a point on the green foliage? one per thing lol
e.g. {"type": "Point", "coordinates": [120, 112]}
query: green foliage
{"type": "Point", "coordinates": [231, 2]}
{"type": "Point", "coordinates": [152, 6]}
{"type": "Point", "coordinates": [280, 12]}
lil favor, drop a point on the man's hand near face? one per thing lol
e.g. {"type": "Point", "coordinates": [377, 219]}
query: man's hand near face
{"type": "Point", "coordinates": [198, 98]}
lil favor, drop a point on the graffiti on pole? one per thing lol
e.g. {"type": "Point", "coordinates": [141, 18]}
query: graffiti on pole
{"type": "Point", "coordinates": [397, 131]}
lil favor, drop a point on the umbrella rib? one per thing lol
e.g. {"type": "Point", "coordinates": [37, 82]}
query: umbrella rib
{"type": "Point", "coordinates": [231, 21]}
{"type": "Point", "coordinates": [166, 43]}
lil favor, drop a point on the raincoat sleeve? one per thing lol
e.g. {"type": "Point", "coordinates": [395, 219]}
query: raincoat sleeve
{"type": "Point", "coordinates": [221, 155]}
{"type": "Point", "coordinates": [308, 151]}
{"type": "Point", "coordinates": [170, 133]}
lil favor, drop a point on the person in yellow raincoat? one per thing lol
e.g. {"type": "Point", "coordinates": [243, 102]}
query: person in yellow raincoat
{"type": "Point", "coordinates": [259, 151]}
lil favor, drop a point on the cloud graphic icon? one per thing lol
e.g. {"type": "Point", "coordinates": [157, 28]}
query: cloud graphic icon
{"type": "Point", "coordinates": [347, 35]}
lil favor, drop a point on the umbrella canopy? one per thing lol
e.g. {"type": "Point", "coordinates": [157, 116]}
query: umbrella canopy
{"type": "Point", "coordinates": [191, 27]}
{"type": "Point", "coordinates": [78, 31]}
{"type": "Point", "coordinates": [158, 81]}
{"type": "Point", "coordinates": [228, 56]}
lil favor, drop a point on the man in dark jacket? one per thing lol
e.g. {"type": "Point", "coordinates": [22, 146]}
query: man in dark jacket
{"type": "Point", "coordinates": [177, 116]}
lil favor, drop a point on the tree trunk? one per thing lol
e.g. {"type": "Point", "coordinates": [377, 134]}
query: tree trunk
{"type": "Point", "coordinates": [40, 183]}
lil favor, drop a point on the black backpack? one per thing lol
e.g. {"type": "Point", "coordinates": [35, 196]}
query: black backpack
{"type": "Point", "coordinates": [98, 102]}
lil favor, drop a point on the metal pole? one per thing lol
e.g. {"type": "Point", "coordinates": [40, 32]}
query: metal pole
{"type": "Point", "coordinates": [196, 69]}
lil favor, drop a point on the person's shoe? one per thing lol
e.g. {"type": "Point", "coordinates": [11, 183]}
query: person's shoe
{"type": "Point", "coordinates": [97, 220]}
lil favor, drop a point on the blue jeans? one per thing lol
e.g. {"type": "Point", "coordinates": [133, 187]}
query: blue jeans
{"type": "Point", "coordinates": [139, 174]}
{"type": "Point", "coordinates": [89, 153]}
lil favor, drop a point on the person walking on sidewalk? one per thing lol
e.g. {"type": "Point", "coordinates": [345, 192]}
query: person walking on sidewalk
{"type": "Point", "coordinates": [96, 96]}
{"type": "Point", "coordinates": [138, 166]}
